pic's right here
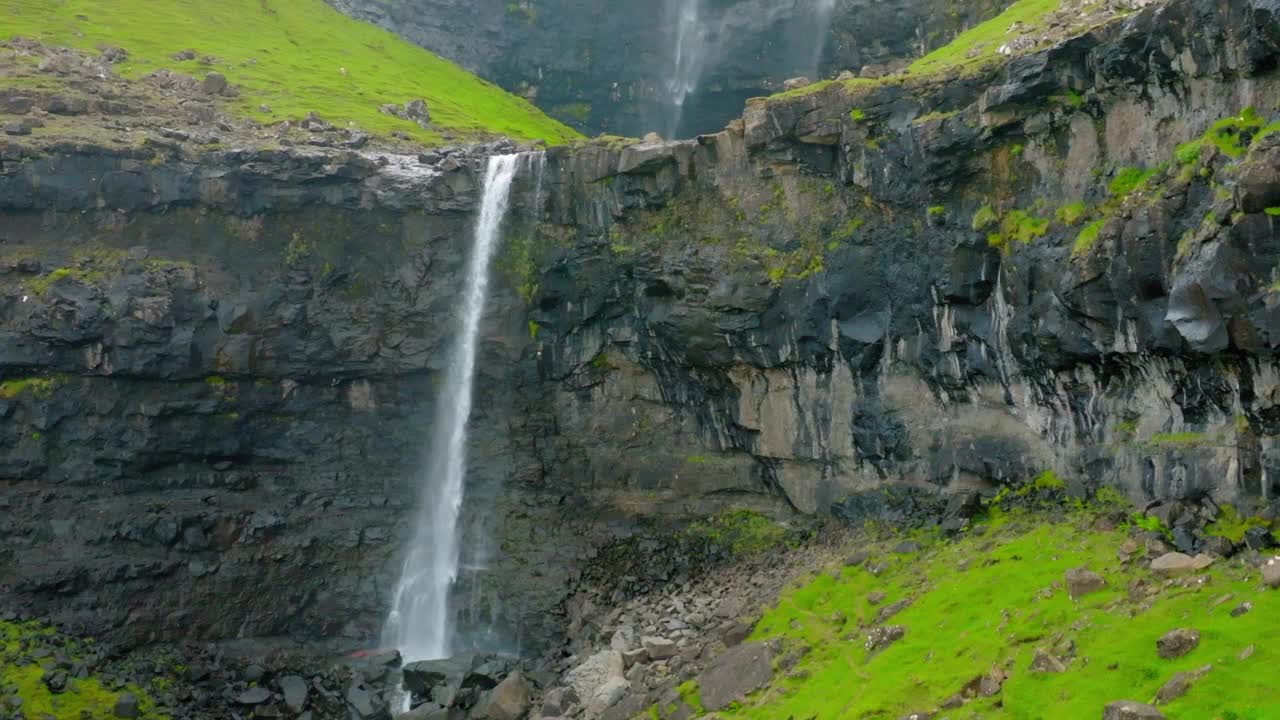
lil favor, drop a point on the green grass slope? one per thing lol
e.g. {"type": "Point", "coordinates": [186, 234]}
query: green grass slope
{"type": "Point", "coordinates": [992, 600]}
{"type": "Point", "coordinates": [294, 57]}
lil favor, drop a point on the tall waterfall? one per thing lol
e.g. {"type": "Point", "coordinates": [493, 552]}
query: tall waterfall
{"type": "Point", "coordinates": [420, 623]}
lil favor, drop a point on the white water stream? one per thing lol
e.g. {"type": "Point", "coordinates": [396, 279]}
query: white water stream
{"type": "Point", "coordinates": [420, 623]}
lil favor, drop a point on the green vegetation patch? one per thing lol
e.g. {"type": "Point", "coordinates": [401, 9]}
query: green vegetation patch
{"type": "Point", "coordinates": [993, 599]}
{"type": "Point", "coordinates": [293, 57]}
{"type": "Point", "coordinates": [1071, 213]}
{"type": "Point", "coordinates": [40, 388]}
{"type": "Point", "coordinates": [1087, 237]}
{"type": "Point", "coordinates": [82, 698]}
{"type": "Point", "coordinates": [743, 532]}
{"type": "Point", "coordinates": [1128, 180]}
{"type": "Point", "coordinates": [980, 45]}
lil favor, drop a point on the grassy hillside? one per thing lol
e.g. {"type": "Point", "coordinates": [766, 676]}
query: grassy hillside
{"type": "Point", "coordinates": [292, 56]}
{"type": "Point", "coordinates": [993, 600]}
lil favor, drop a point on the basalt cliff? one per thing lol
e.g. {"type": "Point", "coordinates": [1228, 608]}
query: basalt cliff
{"type": "Point", "coordinates": [873, 299]}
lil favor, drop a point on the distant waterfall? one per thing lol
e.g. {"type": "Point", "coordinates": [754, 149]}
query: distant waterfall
{"type": "Point", "coordinates": [689, 53]}
{"type": "Point", "coordinates": [420, 623]}
{"type": "Point", "coordinates": [823, 12]}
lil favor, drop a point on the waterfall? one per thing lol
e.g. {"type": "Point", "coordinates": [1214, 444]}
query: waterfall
{"type": "Point", "coordinates": [420, 623]}
{"type": "Point", "coordinates": [689, 51]}
{"type": "Point", "coordinates": [823, 12]}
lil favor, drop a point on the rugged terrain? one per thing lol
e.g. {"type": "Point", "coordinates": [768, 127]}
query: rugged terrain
{"type": "Point", "coordinates": [607, 67]}
{"type": "Point", "coordinates": [873, 299]}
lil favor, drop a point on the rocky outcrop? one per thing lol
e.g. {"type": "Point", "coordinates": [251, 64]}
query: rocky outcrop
{"type": "Point", "coordinates": [608, 67]}
{"type": "Point", "coordinates": [218, 368]}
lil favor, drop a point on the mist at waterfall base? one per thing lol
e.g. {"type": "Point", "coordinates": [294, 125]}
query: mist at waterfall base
{"type": "Point", "coordinates": [705, 32]}
{"type": "Point", "coordinates": [421, 623]}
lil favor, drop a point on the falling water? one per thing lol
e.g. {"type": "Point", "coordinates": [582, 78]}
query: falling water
{"type": "Point", "coordinates": [420, 622]}
{"type": "Point", "coordinates": [823, 12]}
{"type": "Point", "coordinates": [690, 50]}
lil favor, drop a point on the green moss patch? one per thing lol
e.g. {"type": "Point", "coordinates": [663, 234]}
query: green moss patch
{"type": "Point", "coordinates": [743, 532]}
{"type": "Point", "coordinates": [23, 676]}
{"type": "Point", "coordinates": [991, 600]}
{"type": "Point", "coordinates": [293, 57]}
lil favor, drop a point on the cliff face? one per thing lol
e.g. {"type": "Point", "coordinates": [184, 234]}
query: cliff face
{"type": "Point", "coordinates": [606, 66]}
{"type": "Point", "coordinates": [219, 367]}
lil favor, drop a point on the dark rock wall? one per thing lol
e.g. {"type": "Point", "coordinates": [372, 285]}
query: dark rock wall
{"type": "Point", "coordinates": [605, 66]}
{"type": "Point", "coordinates": [218, 370]}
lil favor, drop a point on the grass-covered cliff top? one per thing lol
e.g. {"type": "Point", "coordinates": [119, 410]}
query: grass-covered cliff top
{"type": "Point", "coordinates": [288, 58]}
{"type": "Point", "coordinates": [1023, 27]}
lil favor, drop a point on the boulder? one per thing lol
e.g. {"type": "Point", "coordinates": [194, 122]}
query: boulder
{"type": "Point", "coordinates": [1271, 573]}
{"type": "Point", "coordinates": [1259, 539]}
{"type": "Point", "coordinates": [594, 672]}
{"type": "Point", "coordinates": [1178, 685]}
{"type": "Point", "coordinates": [879, 638]}
{"type": "Point", "coordinates": [254, 696]}
{"type": "Point", "coordinates": [1044, 662]}
{"type": "Point", "coordinates": [659, 648]}
{"type": "Point", "coordinates": [738, 672]}
{"type": "Point", "coordinates": [214, 83]}
{"type": "Point", "coordinates": [420, 677]}
{"type": "Point", "coordinates": [607, 695]}
{"type": "Point", "coordinates": [558, 701]}
{"type": "Point", "coordinates": [510, 699]}
{"type": "Point", "coordinates": [1176, 643]}
{"type": "Point", "coordinates": [294, 690]}
{"type": "Point", "coordinates": [1130, 710]}
{"type": "Point", "coordinates": [796, 83]}
{"type": "Point", "coordinates": [126, 706]}
{"type": "Point", "coordinates": [892, 609]}
{"type": "Point", "coordinates": [1082, 581]}
{"type": "Point", "coordinates": [1174, 564]}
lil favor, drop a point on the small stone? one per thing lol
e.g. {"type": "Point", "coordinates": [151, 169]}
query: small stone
{"type": "Point", "coordinates": [796, 83]}
{"type": "Point", "coordinates": [1130, 710]}
{"type": "Point", "coordinates": [214, 83]}
{"type": "Point", "coordinates": [126, 706]}
{"type": "Point", "coordinates": [1175, 563]}
{"type": "Point", "coordinates": [1271, 573]}
{"type": "Point", "coordinates": [1176, 643]}
{"type": "Point", "coordinates": [880, 638]}
{"type": "Point", "coordinates": [1259, 539]}
{"type": "Point", "coordinates": [857, 557]}
{"type": "Point", "coordinates": [1082, 581]}
{"type": "Point", "coordinates": [906, 547]}
{"type": "Point", "coordinates": [254, 696]}
{"type": "Point", "coordinates": [1241, 609]}
{"type": "Point", "coordinates": [1178, 685]}
{"type": "Point", "coordinates": [889, 611]}
{"type": "Point", "coordinates": [1246, 653]}
{"type": "Point", "coordinates": [254, 673]}
{"type": "Point", "coordinates": [1046, 663]}
{"type": "Point", "coordinates": [659, 648]}
{"type": "Point", "coordinates": [875, 597]}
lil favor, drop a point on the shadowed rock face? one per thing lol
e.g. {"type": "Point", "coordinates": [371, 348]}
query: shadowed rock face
{"type": "Point", "coordinates": [605, 66]}
{"type": "Point", "coordinates": [218, 373]}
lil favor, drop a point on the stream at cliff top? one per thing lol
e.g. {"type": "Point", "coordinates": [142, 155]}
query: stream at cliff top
{"type": "Point", "coordinates": [421, 624]}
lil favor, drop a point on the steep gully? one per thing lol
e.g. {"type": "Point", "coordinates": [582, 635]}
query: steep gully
{"type": "Point", "coordinates": [226, 381]}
